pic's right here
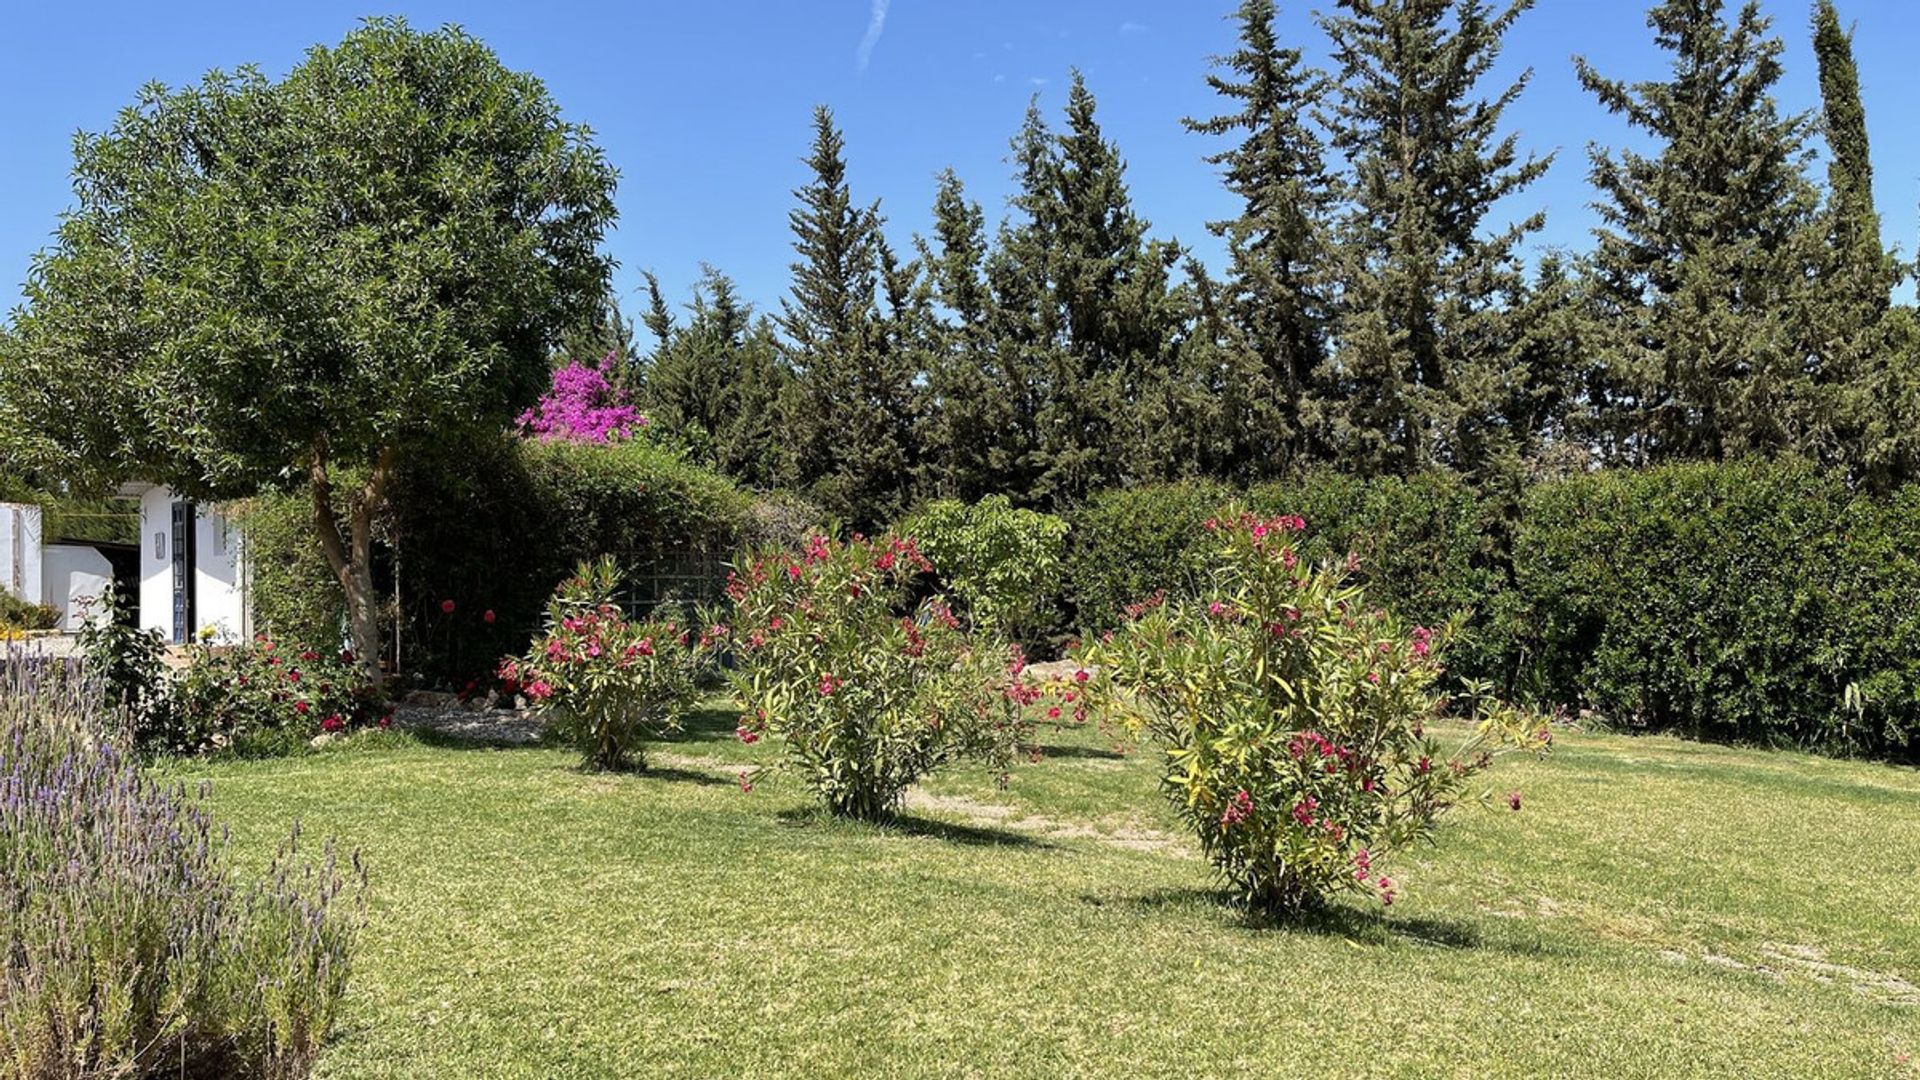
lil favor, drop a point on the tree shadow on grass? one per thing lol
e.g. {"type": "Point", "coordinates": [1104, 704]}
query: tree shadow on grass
{"type": "Point", "coordinates": [914, 825]}
{"type": "Point", "coordinates": [1334, 920]}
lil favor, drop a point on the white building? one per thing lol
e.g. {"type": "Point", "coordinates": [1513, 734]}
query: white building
{"type": "Point", "coordinates": [191, 580]}
{"type": "Point", "coordinates": [20, 551]}
{"type": "Point", "coordinates": [193, 569]}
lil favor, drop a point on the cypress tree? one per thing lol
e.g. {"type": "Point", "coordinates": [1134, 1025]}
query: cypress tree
{"type": "Point", "coordinates": [1857, 367]}
{"type": "Point", "coordinates": [1706, 247]}
{"type": "Point", "coordinates": [1085, 319]}
{"type": "Point", "coordinates": [1262, 333]}
{"type": "Point", "coordinates": [850, 410]}
{"type": "Point", "coordinates": [1429, 343]}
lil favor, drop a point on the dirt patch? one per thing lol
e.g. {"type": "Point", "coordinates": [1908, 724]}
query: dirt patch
{"type": "Point", "coordinates": [1884, 985]}
{"type": "Point", "coordinates": [1117, 834]}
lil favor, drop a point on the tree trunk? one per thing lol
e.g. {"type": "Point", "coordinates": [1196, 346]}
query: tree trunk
{"type": "Point", "coordinates": [351, 555]}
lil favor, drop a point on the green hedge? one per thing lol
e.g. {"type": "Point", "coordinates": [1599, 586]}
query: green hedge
{"type": "Point", "coordinates": [1753, 602]}
{"type": "Point", "coordinates": [294, 593]}
{"type": "Point", "coordinates": [496, 527]}
{"type": "Point", "coordinates": [1126, 543]}
{"type": "Point", "coordinates": [493, 528]}
{"type": "Point", "coordinates": [1425, 546]}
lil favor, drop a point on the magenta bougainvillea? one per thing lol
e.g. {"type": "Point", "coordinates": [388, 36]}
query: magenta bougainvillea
{"type": "Point", "coordinates": [583, 405]}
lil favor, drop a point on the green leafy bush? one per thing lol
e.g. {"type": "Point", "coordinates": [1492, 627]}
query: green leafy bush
{"type": "Point", "coordinates": [127, 946]}
{"type": "Point", "coordinates": [603, 683]}
{"type": "Point", "coordinates": [868, 690]}
{"type": "Point", "coordinates": [1002, 564]}
{"type": "Point", "coordinates": [1753, 602]}
{"type": "Point", "coordinates": [1126, 544]}
{"type": "Point", "coordinates": [486, 532]}
{"type": "Point", "coordinates": [128, 664]}
{"type": "Point", "coordinates": [17, 614]}
{"type": "Point", "coordinates": [1295, 719]}
{"type": "Point", "coordinates": [294, 593]}
{"type": "Point", "coordinates": [261, 700]}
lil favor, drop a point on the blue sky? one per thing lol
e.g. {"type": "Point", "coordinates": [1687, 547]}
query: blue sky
{"type": "Point", "coordinates": [704, 107]}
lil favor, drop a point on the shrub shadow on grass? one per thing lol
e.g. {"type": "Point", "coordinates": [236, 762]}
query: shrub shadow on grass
{"type": "Point", "coordinates": [1334, 920]}
{"type": "Point", "coordinates": [1066, 752]}
{"type": "Point", "coordinates": [706, 725]}
{"type": "Point", "coordinates": [913, 825]}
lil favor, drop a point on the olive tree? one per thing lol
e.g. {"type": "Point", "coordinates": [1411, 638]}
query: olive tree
{"type": "Point", "coordinates": [269, 284]}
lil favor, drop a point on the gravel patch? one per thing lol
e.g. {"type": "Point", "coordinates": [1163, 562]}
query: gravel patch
{"type": "Point", "coordinates": [477, 725]}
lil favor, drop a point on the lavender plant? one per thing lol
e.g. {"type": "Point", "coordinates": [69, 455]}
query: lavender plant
{"type": "Point", "coordinates": [129, 947]}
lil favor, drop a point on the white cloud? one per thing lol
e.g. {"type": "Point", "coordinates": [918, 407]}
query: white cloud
{"type": "Point", "coordinates": [876, 22]}
{"type": "Point", "coordinates": [1134, 28]}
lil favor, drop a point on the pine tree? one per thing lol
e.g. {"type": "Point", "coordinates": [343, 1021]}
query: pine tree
{"type": "Point", "coordinates": [850, 410]}
{"type": "Point", "coordinates": [1262, 336]}
{"type": "Point", "coordinates": [974, 438]}
{"type": "Point", "coordinates": [1085, 320]}
{"type": "Point", "coordinates": [713, 385]}
{"type": "Point", "coordinates": [1706, 247]}
{"type": "Point", "coordinates": [1428, 338]}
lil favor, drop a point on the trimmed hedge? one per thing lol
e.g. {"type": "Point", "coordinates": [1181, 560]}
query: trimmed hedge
{"type": "Point", "coordinates": [1753, 602]}
{"type": "Point", "coordinates": [495, 528]}
{"type": "Point", "coordinates": [1124, 544]}
{"type": "Point", "coordinates": [1424, 544]}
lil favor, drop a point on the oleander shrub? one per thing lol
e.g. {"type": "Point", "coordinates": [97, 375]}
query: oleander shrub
{"type": "Point", "coordinates": [127, 946]}
{"type": "Point", "coordinates": [1126, 544]}
{"type": "Point", "coordinates": [1758, 602]}
{"type": "Point", "coordinates": [606, 684]}
{"type": "Point", "coordinates": [1001, 565]}
{"type": "Point", "coordinates": [1298, 721]}
{"type": "Point", "coordinates": [868, 689]}
{"type": "Point", "coordinates": [263, 699]}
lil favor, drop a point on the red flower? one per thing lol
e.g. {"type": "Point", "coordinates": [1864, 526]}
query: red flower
{"type": "Point", "coordinates": [539, 690]}
{"type": "Point", "coordinates": [446, 607]}
{"type": "Point", "coordinates": [746, 785]}
{"type": "Point", "coordinates": [332, 723]}
{"type": "Point", "coordinates": [1239, 808]}
{"type": "Point", "coordinates": [1513, 800]}
{"type": "Point", "coordinates": [293, 676]}
{"type": "Point", "coordinates": [488, 616]}
{"type": "Point", "coordinates": [386, 722]}
{"type": "Point", "coordinates": [309, 656]}
{"type": "Point", "coordinates": [747, 734]}
{"type": "Point", "coordinates": [301, 707]}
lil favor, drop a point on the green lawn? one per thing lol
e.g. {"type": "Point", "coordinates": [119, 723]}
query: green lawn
{"type": "Point", "coordinates": [1659, 908]}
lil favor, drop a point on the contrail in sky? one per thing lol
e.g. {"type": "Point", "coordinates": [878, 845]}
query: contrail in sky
{"type": "Point", "coordinates": [875, 23]}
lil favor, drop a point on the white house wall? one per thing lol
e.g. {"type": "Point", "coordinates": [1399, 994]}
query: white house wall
{"type": "Point", "coordinates": [220, 580]}
{"type": "Point", "coordinates": [75, 576]}
{"type": "Point", "coordinates": [20, 559]}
